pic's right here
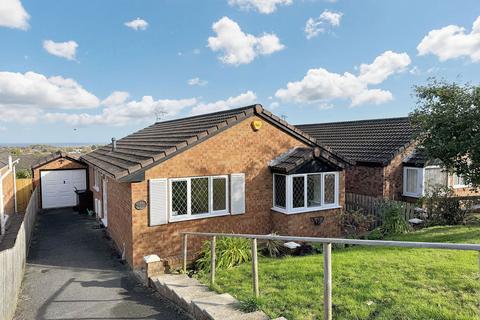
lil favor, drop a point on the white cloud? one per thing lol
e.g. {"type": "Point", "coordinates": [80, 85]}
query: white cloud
{"type": "Point", "coordinates": [262, 6]}
{"type": "Point", "coordinates": [452, 42]}
{"type": "Point", "coordinates": [273, 105]}
{"type": "Point", "coordinates": [238, 47]}
{"type": "Point", "coordinates": [241, 100]}
{"type": "Point", "coordinates": [118, 111]}
{"type": "Point", "coordinates": [137, 24]}
{"type": "Point", "coordinates": [13, 15]}
{"type": "Point", "coordinates": [197, 82]}
{"type": "Point", "coordinates": [327, 19]}
{"type": "Point", "coordinates": [36, 90]}
{"type": "Point", "coordinates": [320, 85]}
{"type": "Point", "coordinates": [65, 50]}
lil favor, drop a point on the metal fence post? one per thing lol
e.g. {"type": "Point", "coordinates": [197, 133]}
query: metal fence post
{"type": "Point", "coordinates": [327, 281]}
{"type": "Point", "coordinates": [185, 242]}
{"type": "Point", "coordinates": [255, 268]}
{"type": "Point", "coordinates": [214, 258]}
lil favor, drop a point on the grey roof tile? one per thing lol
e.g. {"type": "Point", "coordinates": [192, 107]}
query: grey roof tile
{"type": "Point", "coordinates": [157, 142]}
{"type": "Point", "coordinates": [370, 141]}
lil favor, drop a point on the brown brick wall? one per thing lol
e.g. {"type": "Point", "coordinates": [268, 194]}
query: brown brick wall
{"type": "Point", "coordinates": [366, 180]}
{"type": "Point", "coordinates": [393, 176]}
{"type": "Point", "coordinates": [119, 201]}
{"type": "Point", "coordinates": [238, 149]}
{"type": "Point", "coordinates": [61, 163]}
{"type": "Point", "coordinates": [8, 193]}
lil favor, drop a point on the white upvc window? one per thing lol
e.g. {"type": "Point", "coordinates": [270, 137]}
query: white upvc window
{"type": "Point", "coordinates": [413, 182]}
{"type": "Point", "coordinates": [305, 192]}
{"type": "Point", "coordinates": [96, 180]}
{"type": "Point", "coordinates": [458, 182]}
{"type": "Point", "coordinates": [198, 197]}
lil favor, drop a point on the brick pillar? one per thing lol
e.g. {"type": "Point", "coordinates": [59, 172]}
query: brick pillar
{"type": "Point", "coordinates": [154, 266]}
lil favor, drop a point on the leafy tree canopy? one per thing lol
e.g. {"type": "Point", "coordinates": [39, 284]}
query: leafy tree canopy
{"type": "Point", "coordinates": [447, 117]}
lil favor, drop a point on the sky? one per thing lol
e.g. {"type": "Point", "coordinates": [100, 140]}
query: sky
{"type": "Point", "coordinates": [87, 71]}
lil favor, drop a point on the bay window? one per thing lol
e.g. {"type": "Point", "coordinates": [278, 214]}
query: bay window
{"type": "Point", "coordinates": [305, 192]}
{"type": "Point", "coordinates": [198, 197]}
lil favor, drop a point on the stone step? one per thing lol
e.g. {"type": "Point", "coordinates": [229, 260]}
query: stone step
{"type": "Point", "coordinates": [200, 301]}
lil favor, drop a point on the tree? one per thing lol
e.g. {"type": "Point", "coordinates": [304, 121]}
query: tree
{"type": "Point", "coordinates": [447, 119]}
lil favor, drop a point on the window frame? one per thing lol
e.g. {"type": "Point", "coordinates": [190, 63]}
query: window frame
{"type": "Point", "coordinates": [458, 186]}
{"type": "Point", "coordinates": [420, 182]}
{"type": "Point", "coordinates": [289, 193]}
{"type": "Point", "coordinates": [189, 215]}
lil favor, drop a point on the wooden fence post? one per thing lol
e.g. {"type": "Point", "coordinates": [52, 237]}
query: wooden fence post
{"type": "Point", "coordinates": [327, 281]}
{"type": "Point", "coordinates": [185, 242]}
{"type": "Point", "coordinates": [213, 260]}
{"type": "Point", "coordinates": [255, 268]}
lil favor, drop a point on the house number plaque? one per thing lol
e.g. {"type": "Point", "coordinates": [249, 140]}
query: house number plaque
{"type": "Point", "coordinates": [140, 204]}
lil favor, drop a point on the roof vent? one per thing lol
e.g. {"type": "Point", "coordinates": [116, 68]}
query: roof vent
{"type": "Point", "coordinates": [114, 144]}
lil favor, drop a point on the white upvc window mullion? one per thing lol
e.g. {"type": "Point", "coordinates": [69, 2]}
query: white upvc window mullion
{"type": "Point", "coordinates": [189, 196]}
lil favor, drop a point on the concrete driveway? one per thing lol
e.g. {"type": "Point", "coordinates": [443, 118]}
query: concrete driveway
{"type": "Point", "coordinates": [73, 273]}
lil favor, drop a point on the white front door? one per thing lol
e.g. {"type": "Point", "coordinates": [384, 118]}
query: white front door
{"type": "Point", "coordinates": [105, 202]}
{"type": "Point", "coordinates": [58, 187]}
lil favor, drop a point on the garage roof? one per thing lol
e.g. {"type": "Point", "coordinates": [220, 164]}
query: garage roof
{"type": "Point", "coordinates": [54, 156]}
{"type": "Point", "coordinates": [370, 141]}
{"type": "Point", "coordinates": [137, 152]}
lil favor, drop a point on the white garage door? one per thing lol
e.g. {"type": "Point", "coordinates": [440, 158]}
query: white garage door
{"type": "Point", "coordinates": [58, 187]}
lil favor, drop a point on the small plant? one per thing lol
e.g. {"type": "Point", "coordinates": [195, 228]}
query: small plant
{"type": "Point", "coordinates": [354, 224]}
{"type": "Point", "coordinates": [249, 305]}
{"type": "Point", "coordinates": [393, 220]}
{"type": "Point", "coordinates": [272, 248]}
{"type": "Point", "coordinates": [230, 252]}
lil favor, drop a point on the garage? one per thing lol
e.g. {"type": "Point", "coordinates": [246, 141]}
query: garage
{"type": "Point", "coordinates": [58, 176]}
{"type": "Point", "coordinates": [58, 187]}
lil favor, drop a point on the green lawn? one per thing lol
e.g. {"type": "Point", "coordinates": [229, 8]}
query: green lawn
{"type": "Point", "coordinates": [370, 282]}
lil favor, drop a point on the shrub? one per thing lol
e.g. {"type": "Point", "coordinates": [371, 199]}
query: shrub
{"type": "Point", "coordinates": [355, 223]}
{"type": "Point", "coordinates": [23, 174]}
{"type": "Point", "coordinates": [442, 207]}
{"type": "Point", "coordinates": [230, 252]}
{"type": "Point", "coordinates": [393, 220]}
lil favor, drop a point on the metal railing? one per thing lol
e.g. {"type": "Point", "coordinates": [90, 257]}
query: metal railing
{"type": "Point", "coordinates": [327, 255]}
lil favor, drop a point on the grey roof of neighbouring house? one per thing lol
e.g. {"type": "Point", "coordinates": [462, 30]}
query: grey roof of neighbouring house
{"type": "Point", "coordinates": [368, 141]}
{"type": "Point", "coordinates": [139, 151]}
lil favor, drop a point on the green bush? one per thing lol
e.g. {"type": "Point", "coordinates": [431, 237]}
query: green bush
{"type": "Point", "coordinates": [393, 220]}
{"type": "Point", "coordinates": [230, 252]}
{"type": "Point", "coordinates": [442, 207]}
{"type": "Point", "coordinates": [23, 174]}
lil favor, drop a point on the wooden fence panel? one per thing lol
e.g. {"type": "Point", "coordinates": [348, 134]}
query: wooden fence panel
{"type": "Point", "coordinates": [373, 206]}
{"type": "Point", "coordinates": [24, 192]}
{"type": "Point", "coordinates": [13, 259]}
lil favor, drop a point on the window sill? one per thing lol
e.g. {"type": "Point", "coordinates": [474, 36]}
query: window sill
{"type": "Point", "coordinates": [411, 195]}
{"type": "Point", "coordinates": [460, 187]}
{"type": "Point", "coordinates": [284, 211]}
{"type": "Point", "coordinates": [197, 216]}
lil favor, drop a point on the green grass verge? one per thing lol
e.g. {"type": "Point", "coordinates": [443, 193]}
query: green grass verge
{"type": "Point", "coordinates": [370, 282]}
